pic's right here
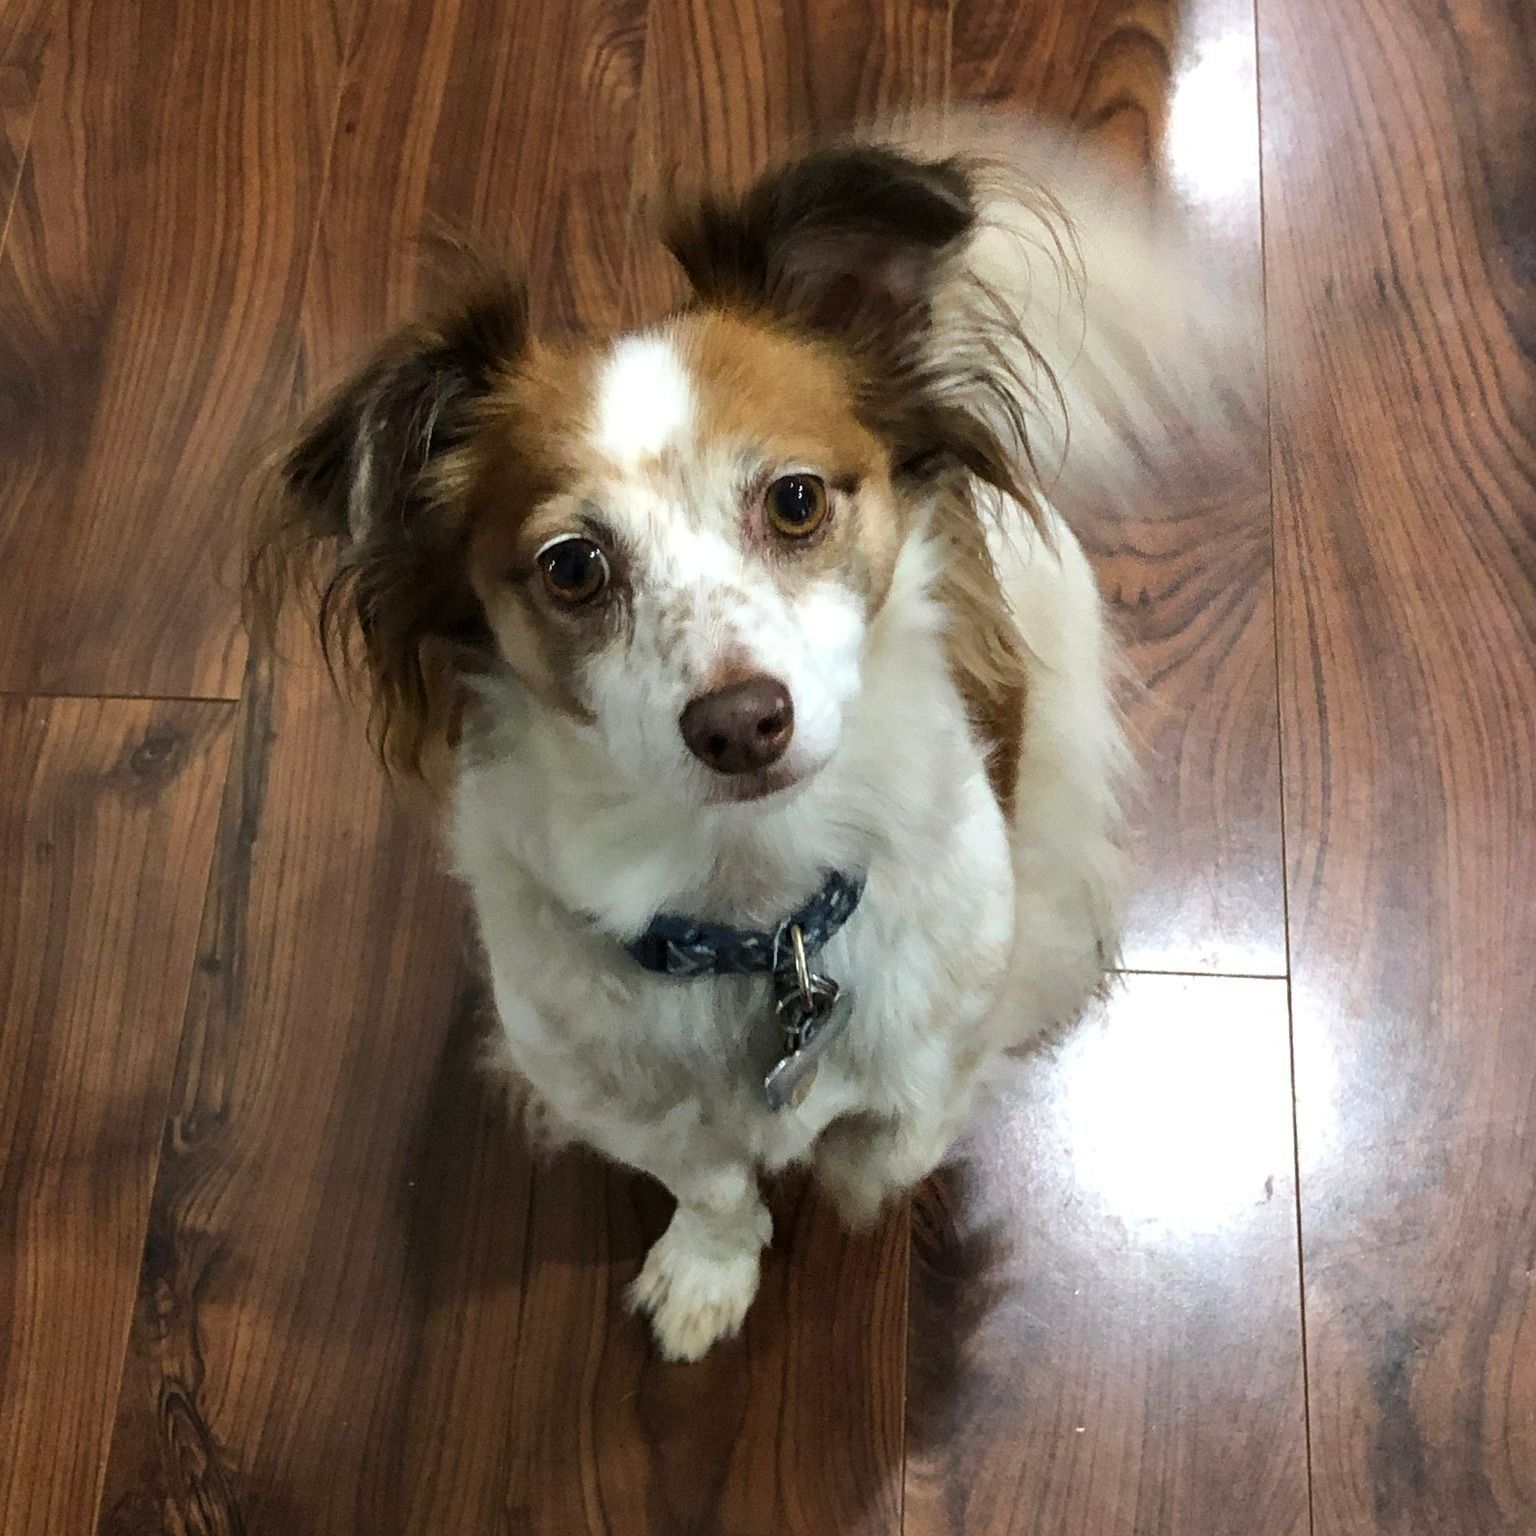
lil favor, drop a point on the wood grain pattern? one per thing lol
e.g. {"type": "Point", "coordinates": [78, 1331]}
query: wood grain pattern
{"type": "Point", "coordinates": [24, 29]}
{"type": "Point", "coordinates": [513, 129]}
{"type": "Point", "coordinates": [360, 1305]}
{"type": "Point", "coordinates": [1399, 189]}
{"type": "Point", "coordinates": [106, 831]}
{"type": "Point", "coordinates": [148, 299]}
{"type": "Point", "coordinates": [1105, 1329]}
{"type": "Point", "coordinates": [1104, 68]}
{"type": "Point", "coordinates": [1168, 88]}
{"type": "Point", "coordinates": [366, 1278]}
{"type": "Point", "coordinates": [730, 87]}
{"type": "Point", "coordinates": [297, 1219]}
{"type": "Point", "coordinates": [18, 97]}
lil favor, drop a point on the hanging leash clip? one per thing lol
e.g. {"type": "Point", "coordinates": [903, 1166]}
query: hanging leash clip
{"type": "Point", "coordinates": [812, 1010]}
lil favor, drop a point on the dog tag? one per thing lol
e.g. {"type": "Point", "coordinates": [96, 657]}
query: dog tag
{"type": "Point", "coordinates": [811, 1022]}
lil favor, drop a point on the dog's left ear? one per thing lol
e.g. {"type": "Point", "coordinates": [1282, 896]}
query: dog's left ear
{"type": "Point", "coordinates": [369, 500]}
{"type": "Point", "coordinates": [847, 242]}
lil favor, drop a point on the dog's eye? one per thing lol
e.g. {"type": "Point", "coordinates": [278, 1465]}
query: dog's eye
{"type": "Point", "coordinates": [796, 505]}
{"type": "Point", "coordinates": [574, 570]}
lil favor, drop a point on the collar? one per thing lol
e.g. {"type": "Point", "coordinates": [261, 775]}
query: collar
{"type": "Point", "coordinates": [683, 948]}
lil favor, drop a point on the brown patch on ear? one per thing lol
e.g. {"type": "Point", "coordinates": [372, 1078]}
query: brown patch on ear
{"type": "Point", "coordinates": [370, 503]}
{"type": "Point", "coordinates": [987, 655]}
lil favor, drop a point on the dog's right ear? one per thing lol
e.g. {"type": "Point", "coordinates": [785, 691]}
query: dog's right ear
{"type": "Point", "coordinates": [370, 499]}
{"type": "Point", "coordinates": [365, 454]}
{"type": "Point", "coordinates": [846, 241]}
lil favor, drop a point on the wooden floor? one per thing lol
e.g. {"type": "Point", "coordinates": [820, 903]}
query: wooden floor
{"type": "Point", "coordinates": [1252, 1252]}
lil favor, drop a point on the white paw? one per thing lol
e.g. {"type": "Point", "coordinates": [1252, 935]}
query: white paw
{"type": "Point", "coordinates": [692, 1297]}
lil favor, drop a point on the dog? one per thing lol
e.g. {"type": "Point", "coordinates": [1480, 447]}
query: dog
{"type": "Point", "coordinates": [777, 701]}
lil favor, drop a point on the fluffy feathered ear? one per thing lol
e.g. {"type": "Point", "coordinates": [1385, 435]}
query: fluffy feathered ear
{"type": "Point", "coordinates": [846, 241]}
{"type": "Point", "coordinates": [868, 246]}
{"type": "Point", "coordinates": [370, 499]}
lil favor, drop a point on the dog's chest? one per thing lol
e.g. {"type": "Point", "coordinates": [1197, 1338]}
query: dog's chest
{"type": "Point", "coordinates": [915, 962]}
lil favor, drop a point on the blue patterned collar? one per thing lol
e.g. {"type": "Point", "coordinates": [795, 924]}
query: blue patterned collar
{"type": "Point", "coordinates": [680, 947]}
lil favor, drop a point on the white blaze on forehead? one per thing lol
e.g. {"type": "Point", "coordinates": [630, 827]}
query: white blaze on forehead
{"type": "Point", "coordinates": [644, 399]}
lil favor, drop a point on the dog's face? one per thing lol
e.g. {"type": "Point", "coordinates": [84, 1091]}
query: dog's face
{"type": "Point", "coordinates": [674, 541]}
{"type": "Point", "coordinates": [679, 541]}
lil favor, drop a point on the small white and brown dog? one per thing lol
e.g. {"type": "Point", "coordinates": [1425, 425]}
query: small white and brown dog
{"type": "Point", "coordinates": [778, 699]}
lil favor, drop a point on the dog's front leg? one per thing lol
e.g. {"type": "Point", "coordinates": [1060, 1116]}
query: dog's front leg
{"type": "Point", "coordinates": [701, 1275]}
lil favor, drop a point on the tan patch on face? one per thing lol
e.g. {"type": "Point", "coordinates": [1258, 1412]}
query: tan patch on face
{"type": "Point", "coordinates": [532, 447]}
{"type": "Point", "coordinates": [793, 401]}
{"type": "Point", "coordinates": [548, 405]}
{"type": "Point", "coordinates": [789, 395]}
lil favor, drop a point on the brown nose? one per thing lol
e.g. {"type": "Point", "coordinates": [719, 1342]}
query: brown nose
{"type": "Point", "coordinates": [741, 727]}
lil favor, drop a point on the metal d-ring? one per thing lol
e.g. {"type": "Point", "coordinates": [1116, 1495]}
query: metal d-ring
{"type": "Point", "coordinates": [802, 968]}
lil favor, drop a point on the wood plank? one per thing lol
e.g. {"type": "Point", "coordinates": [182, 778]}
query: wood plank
{"type": "Point", "coordinates": [106, 832]}
{"type": "Point", "coordinates": [17, 102]}
{"type": "Point", "coordinates": [24, 29]}
{"type": "Point", "coordinates": [1105, 1330]}
{"type": "Point", "coordinates": [315, 1151]}
{"type": "Point", "coordinates": [339, 1238]}
{"type": "Point", "coordinates": [731, 87]}
{"type": "Point", "coordinates": [18, 99]}
{"type": "Point", "coordinates": [1399, 191]}
{"type": "Point", "coordinates": [148, 302]}
{"type": "Point", "coordinates": [511, 128]}
{"type": "Point", "coordinates": [1102, 68]}
{"type": "Point", "coordinates": [1169, 89]}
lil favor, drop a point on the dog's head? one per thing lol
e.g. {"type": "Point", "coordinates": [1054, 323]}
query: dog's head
{"type": "Point", "coordinates": [674, 540]}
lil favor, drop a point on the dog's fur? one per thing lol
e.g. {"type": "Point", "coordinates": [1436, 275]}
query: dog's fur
{"type": "Point", "coordinates": [891, 320]}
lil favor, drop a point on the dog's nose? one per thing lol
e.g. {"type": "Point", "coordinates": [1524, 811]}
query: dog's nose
{"type": "Point", "coordinates": [741, 727]}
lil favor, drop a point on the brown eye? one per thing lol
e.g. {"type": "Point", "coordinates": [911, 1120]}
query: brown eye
{"type": "Point", "coordinates": [574, 570]}
{"type": "Point", "coordinates": [796, 505]}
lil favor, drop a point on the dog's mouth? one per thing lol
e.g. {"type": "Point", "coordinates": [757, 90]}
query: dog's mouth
{"type": "Point", "coordinates": [744, 788]}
